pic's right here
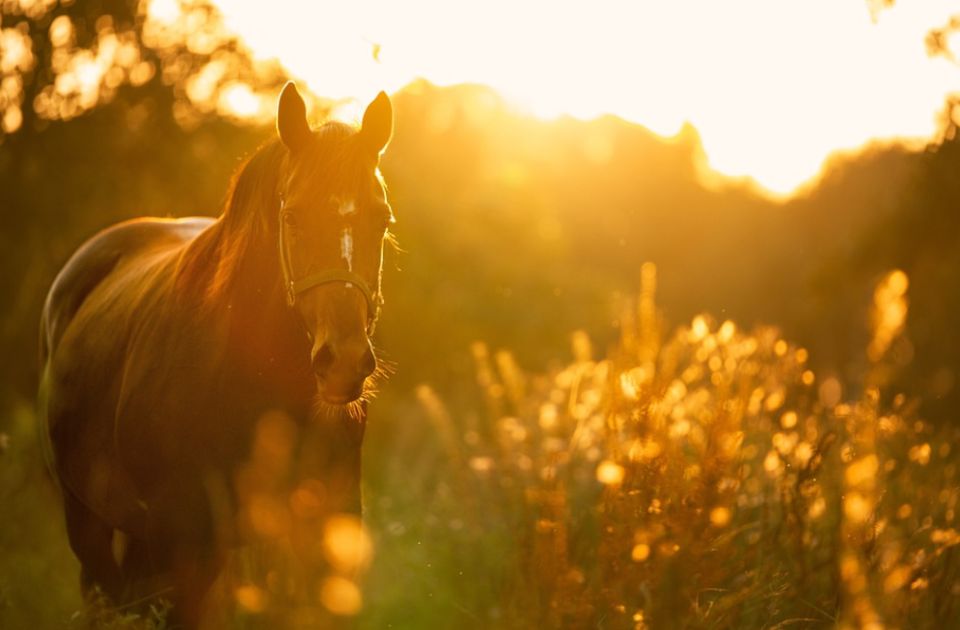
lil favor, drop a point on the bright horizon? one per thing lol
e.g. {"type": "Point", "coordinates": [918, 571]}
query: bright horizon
{"type": "Point", "coordinates": [772, 88]}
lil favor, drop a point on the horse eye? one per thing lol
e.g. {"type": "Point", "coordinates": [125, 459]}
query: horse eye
{"type": "Point", "coordinates": [289, 220]}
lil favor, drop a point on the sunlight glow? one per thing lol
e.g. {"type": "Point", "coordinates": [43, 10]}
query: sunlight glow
{"type": "Point", "coordinates": [772, 87]}
{"type": "Point", "coordinates": [239, 99]}
{"type": "Point", "coordinates": [163, 10]}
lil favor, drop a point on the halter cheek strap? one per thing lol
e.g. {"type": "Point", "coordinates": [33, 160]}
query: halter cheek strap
{"type": "Point", "coordinates": [295, 287]}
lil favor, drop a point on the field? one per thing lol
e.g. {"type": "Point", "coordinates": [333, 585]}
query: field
{"type": "Point", "coordinates": [669, 312]}
{"type": "Point", "coordinates": [697, 477]}
{"type": "Point", "coordinates": [700, 476]}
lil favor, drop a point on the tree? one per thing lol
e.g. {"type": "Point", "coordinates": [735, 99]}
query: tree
{"type": "Point", "coordinates": [109, 109]}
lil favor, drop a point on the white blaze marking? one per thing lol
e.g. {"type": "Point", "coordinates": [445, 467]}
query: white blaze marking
{"type": "Point", "coordinates": [346, 247]}
{"type": "Point", "coordinates": [347, 207]}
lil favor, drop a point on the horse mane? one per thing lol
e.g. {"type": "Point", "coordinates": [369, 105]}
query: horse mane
{"type": "Point", "coordinates": [250, 212]}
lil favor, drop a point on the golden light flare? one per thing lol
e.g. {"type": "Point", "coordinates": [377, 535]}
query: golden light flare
{"type": "Point", "coordinates": [610, 473]}
{"type": "Point", "coordinates": [857, 507]}
{"type": "Point", "coordinates": [346, 543]}
{"type": "Point", "coordinates": [640, 552]}
{"type": "Point", "coordinates": [251, 598]}
{"type": "Point", "coordinates": [768, 105]}
{"type": "Point", "coordinates": [863, 471]}
{"type": "Point", "coordinates": [341, 596]}
{"type": "Point", "coordinates": [720, 516]}
{"type": "Point", "coordinates": [238, 99]}
{"type": "Point", "coordinates": [788, 420]}
{"type": "Point", "coordinates": [163, 10]}
{"type": "Point", "coordinates": [889, 312]}
{"type": "Point", "coordinates": [896, 579]}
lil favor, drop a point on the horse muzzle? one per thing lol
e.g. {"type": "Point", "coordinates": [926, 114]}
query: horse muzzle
{"type": "Point", "coordinates": [341, 369]}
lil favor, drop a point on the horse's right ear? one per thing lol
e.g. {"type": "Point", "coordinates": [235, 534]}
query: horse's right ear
{"type": "Point", "coordinates": [292, 122]}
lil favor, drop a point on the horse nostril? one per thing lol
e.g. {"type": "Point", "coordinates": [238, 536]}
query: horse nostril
{"type": "Point", "coordinates": [368, 362]}
{"type": "Point", "coordinates": [323, 359]}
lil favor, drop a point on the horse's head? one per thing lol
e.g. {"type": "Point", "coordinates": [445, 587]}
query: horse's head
{"type": "Point", "coordinates": [332, 225]}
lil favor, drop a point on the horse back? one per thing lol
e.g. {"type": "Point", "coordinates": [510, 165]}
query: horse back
{"type": "Point", "coordinates": [86, 322]}
{"type": "Point", "coordinates": [97, 258]}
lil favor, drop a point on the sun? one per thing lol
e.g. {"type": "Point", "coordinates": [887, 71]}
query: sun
{"type": "Point", "coordinates": [772, 87]}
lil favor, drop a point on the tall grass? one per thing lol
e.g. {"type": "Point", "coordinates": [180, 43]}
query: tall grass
{"type": "Point", "coordinates": [704, 478]}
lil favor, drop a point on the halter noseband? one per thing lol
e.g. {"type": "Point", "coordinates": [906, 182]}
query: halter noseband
{"type": "Point", "coordinates": [295, 287]}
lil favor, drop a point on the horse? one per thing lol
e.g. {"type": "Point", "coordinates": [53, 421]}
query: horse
{"type": "Point", "coordinates": [164, 342]}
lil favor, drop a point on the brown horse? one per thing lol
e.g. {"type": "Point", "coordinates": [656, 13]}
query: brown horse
{"type": "Point", "coordinates": [166, 341]}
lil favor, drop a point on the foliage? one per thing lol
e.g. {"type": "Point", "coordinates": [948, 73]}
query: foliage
{"type": "Point", "coordinates": [702, 478]}
{"type": "Point", "coordinates": [130, 95]}
{"type": "Point", "coordinates": [706, 479]}
{"type": "Point", "coordinates": [64, 59]}
{"type": "Point", "coordinates": [98, 614]}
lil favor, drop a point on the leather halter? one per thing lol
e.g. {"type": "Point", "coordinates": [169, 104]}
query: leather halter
{"type": "Point", "coordinates": [295, 286]}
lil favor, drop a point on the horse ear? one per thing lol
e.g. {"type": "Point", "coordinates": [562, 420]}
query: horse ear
{"type": "Point", "coordinates": [377, 123]}
{"type": "Point", "coordinates": [292, 122]}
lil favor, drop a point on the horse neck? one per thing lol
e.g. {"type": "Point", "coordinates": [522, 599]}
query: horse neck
{"type": "Point", "coordinates": [249, 261]}
{"type": "Point", "coordinates": [256, 286]}
{"type": "Point", "coordinates": [238, 265]}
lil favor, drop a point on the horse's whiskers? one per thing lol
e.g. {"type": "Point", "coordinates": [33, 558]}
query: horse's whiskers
{"type": "Point", "coordinates": [354, 409]}
{"type": "Point", "coordinates": [385, 369]}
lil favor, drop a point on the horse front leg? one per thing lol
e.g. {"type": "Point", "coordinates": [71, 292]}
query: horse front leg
{"type": "Point", "coordinates": [92, 541]}
{"type": "Point", "coordinates": [182, 576]}
{"type": "Point", "coordinates": [194, 571]}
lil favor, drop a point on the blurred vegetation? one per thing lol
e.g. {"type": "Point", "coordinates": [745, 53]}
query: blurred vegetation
{"type": "Point", "coordinates": [699, 477]}
{"type": "Point", "coordinates": [512, 489]}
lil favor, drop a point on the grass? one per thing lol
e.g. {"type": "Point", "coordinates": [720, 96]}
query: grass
{"type": "Point", "coordinates": [704, 477]}
{"type": "Point", "coordinates": [38, 574]}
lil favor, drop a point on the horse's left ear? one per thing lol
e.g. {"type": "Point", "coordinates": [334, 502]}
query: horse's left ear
{"type": "Point", "coordinates": [377, 123]}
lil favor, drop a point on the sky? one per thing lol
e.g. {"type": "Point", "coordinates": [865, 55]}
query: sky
{"type": "Point", "coordinates": [773, 87]}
